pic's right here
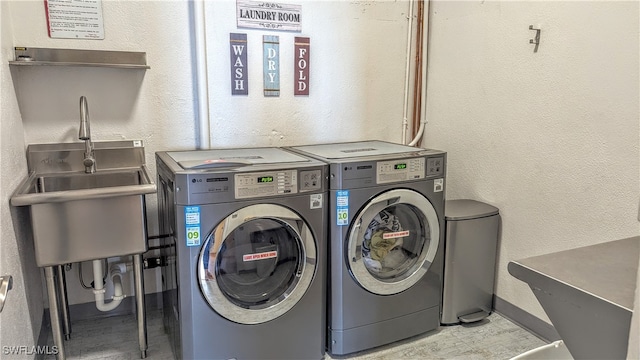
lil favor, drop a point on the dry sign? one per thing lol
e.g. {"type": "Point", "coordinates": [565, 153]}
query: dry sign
{"type": "Point", "coordinates": [268, 15]}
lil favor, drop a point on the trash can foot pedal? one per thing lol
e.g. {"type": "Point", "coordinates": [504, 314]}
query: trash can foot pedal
{"type": "Point", "coordinates": [473, 317]}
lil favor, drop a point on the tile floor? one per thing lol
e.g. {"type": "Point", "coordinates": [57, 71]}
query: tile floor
{"type": "Point", "coordinates": [493, 338]}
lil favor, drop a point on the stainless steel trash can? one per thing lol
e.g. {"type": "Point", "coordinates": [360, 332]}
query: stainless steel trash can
{"type": "Point", "coordinates": [470, 260]}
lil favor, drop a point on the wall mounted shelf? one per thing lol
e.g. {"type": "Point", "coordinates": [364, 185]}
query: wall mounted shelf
{"type": "Point", "coordinates": [25, 56]}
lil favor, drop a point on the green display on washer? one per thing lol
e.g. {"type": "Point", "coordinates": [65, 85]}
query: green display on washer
{"type": "Point", "coordinates": [265, 179]}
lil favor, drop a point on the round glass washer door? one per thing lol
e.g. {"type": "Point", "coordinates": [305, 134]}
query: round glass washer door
{"type": "Point", "coordinates": [393, 241]}
{"type": "Point", "coordinates": [257, 263]}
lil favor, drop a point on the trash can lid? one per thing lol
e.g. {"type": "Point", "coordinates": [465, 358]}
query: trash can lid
{"type": "Point", "coordinates": [465, 209]}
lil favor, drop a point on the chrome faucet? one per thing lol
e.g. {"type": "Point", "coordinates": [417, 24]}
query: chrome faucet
{"type": "Point", "coordinates": [89, 161]}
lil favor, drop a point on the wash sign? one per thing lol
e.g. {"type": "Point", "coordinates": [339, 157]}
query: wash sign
{"type": "Point", "coordinates": [239, 63]}
{"type": "Point", "coordinates": [268, 15]}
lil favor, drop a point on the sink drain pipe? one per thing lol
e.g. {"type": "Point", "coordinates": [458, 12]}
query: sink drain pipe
{"type": "Point", "coordinates": [115, 272]}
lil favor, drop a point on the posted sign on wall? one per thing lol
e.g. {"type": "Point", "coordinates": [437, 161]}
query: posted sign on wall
{"type": "Point", "coordinates": [74, 19]}
{"type": "Point", "coordinates": [268, 15]}
{"type": "Point", "coordinates": [301, 66]}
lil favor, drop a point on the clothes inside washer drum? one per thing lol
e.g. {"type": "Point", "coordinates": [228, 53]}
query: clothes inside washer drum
{"type": "Point", "coordinates": [376, 248]}
{"type": "Point", "coordinates": [380, 246]}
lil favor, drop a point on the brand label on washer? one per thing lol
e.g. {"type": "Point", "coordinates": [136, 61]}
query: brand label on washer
{"type": "Point", "coordinates": [315, 201]}
{"type": "Point", "coordinates": [438, 185]}
{"type": "Point", "coordinates": [192, 225]}
{"type": "Point", "coordinates": [342, 207]}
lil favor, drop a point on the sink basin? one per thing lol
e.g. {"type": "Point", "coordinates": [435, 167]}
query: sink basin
{"type": "Point", "coordinates": [77, 216]}
{"type": "Point", "coordinates": [70, 186]}
{"type": "Point", "coordinates": [66, 182]}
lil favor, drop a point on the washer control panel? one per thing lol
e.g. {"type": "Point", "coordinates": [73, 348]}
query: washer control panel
{"type": "Point", "coordinates": [435, 166]}
{"type": "Point", "coordinates": [400, 170]}
{"type": "Point", "coordinates": [259, 184]}
{"type": "Point", "coordinates": [310, 180]}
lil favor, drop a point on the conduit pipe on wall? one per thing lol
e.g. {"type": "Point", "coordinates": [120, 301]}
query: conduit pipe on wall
{"type": "Point", "coordinates": [405, 123]}
{"type": "Point", "coordinates": [417, 77]}
{"type": "Point", "coordinates": [424, 67]}
{"type": "Point", "coordinates": [115, 273]}
{"type": "Point", "coordinates": [202, 74]}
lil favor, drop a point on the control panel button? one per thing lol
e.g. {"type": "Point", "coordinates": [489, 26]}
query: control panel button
{"type": "Point", "coordinates": [435, 166]}
{"type": "Point", "coordinates": [260, 184]}
{"type": "Point", "coordinates": [310, 180]}
{"type": "Point", "coordinates": [400, 170]}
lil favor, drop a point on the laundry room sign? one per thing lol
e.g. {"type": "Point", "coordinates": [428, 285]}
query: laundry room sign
{"type": "Point", "coordinates": [268, 15]}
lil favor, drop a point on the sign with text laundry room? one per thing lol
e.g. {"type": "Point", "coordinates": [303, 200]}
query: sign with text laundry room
{"type": "Point", "coordinates": [271, 65]}
{"type": "Point", "coordinates": [268, 15]}
{"type": "Point", "coordinates": [239, 74]}
{"type": "Point", "coordinates": [74, 19]}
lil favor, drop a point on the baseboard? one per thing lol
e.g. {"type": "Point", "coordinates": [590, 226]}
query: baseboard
{"type": "Point", "coordinates": [531, 323]}
{"type": "Point", "coordinates": [87, 311]}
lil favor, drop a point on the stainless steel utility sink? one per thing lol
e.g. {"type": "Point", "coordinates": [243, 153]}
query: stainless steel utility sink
{"type": "Point", "coordinates": [78, 216]}
{"type": "Point", "coordinates": [70, 186]}
{"type": "Point", "coordinates": [80, 181]}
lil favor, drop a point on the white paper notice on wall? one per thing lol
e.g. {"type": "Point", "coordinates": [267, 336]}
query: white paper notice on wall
{"type": "Point", "coordinates": [74, 19]}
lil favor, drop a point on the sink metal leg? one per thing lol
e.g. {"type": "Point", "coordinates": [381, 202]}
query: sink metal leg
{"type": "Point", "coordinates": [64, 304]}
{"type": "Point", "coordinates": [140, 305]}
{"type": "Point", "coordinates": [54, 312]}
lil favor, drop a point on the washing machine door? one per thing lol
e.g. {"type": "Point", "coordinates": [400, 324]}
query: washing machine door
{"type": "Point", "coordinates": [257, 263]}
{"type": "Point", "coordinates": [392, 241]}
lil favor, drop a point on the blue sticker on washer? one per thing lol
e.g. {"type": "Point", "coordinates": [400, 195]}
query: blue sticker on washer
{"type": "Point", "coordinates": [342, 207]}
{"type": "Point", "coordinates": [192, 225]}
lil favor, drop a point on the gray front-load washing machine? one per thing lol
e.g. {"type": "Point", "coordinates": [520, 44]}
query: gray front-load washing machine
{"type": "Point", "coordinates": [386, 204]}
{"type": "Point", "coordinates": [245, 276]}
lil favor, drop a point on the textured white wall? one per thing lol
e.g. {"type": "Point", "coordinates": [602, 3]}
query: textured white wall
{"type": "Point", "coordinates": [357, 62]}
{"type": "Point", "coordinates": [550, 138]}
{"type": "Point", "coordinates": [22, 313]}
{"type": "Point", "coordinates": [155, 105]}
{"type": "Point", "coordinates": [357, 79]}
